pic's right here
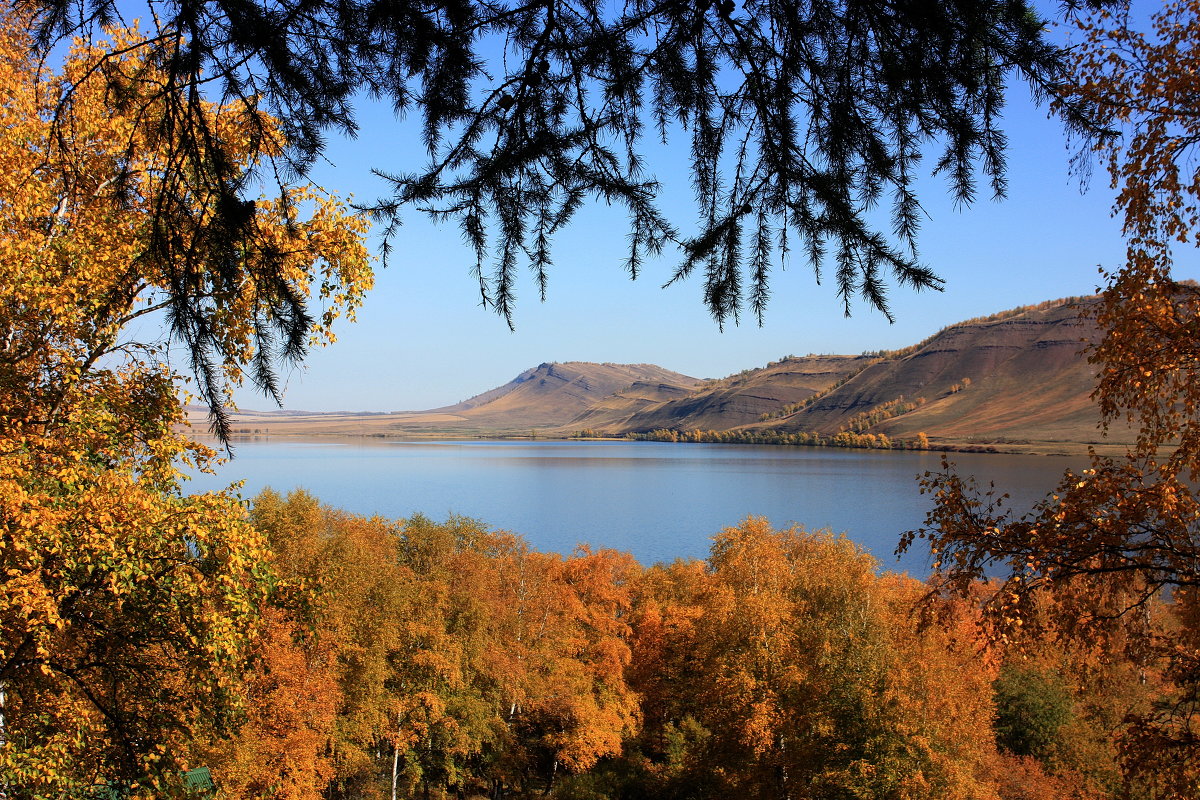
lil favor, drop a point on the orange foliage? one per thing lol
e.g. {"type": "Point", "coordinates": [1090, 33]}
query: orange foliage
{"type": "Point", "coordinates": [789, 666]}
{"type": "Point", "coordinates": [457, 661]}
{"type": "Point", "coordinates": [558, 653]}
{"type": "Point", "coordinates": [282, 748]}
{"type": "Point", "coordinates": [463, 660]}
{"type": "Point", "coordinates": [1023, 778]}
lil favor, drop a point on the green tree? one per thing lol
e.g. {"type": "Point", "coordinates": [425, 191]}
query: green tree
{"type": "Point", "coordinates": [1031, 707]}
{"type": "Point", "coordinates": [799, 118]}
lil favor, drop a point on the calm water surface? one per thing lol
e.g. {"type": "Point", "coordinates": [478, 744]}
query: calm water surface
{"type": "Point", "coordinates": [658, 501]}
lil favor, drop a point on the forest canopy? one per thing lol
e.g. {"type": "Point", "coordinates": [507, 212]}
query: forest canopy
{"type": "Point", "coordinates": [446, 659]}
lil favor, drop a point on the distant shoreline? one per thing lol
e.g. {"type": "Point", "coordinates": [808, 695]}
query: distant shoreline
{"type": "Point", "coordinates": [1034, 448]}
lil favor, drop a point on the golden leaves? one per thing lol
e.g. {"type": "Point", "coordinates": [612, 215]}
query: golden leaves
{"type": "Point", "coordinates": [82, 174]}
{"type": "Point", "coordinates": [126, 607]}
{"type": "Point", "coordinates": [1143, 86]}
{"type": "Point", "coordinates": [802, 665]}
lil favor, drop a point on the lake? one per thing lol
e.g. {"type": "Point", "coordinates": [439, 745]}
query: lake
{"type": "Point", "coordinates": [658, 501]}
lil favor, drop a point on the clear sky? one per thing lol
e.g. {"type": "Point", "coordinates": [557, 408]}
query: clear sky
{"type": "Point", "coordinates": [422, 340]}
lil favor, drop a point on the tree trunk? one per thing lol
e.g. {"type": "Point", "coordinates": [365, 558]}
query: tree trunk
{"type": "Point", "coordinates": [395, 760]}
{"type": "Point", "coordinates": [3, 736]}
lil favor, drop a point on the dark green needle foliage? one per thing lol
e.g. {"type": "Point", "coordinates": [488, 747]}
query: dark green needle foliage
{"type": "Point", "coordinates": [803, 117]}
{"type": "Point", "coordinates": [1031, 708]}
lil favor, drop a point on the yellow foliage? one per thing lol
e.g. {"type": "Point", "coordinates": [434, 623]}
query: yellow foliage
{"type": "Point", "coordinates": [126, 606]}
{"type": "Point", "coordinates": [808, 674]}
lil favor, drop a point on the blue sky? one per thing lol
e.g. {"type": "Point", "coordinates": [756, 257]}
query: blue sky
{"type": "Point", "coordinates": [422, 340]}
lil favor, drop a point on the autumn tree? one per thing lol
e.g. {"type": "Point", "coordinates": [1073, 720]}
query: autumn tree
{"type": "Point", "coordinates": [798, 119]}
{"type": "Point", "coordinates": [447, 725]}
{"type": "Point", "coordinates": [788, 668]}
{"type": "Point", "coordinates": [281, 748]}
{"type": "Point", "coordinates": [1126, 531]}
{"type": "Point", "coordinates": [462, 661]}
{"type": "Point", "coordinates": [364, 611]}
{"type": "Point", "coordinates": [126, 606]}
{"type": "Point", "coordinates": [556, 659]}
{"type": "Point", "coordinates": [372, 703]}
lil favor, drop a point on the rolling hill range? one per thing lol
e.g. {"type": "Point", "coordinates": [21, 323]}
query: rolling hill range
{"type": "Point", "coordinates": [545, 397]}
{"type": "Point", "coordinates": [1015, 381]}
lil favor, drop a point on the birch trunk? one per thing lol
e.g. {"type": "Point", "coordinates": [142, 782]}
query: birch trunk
{"type": "Point", "coordinates": [396, 760]}
{"type": "Point", "coordinates": [3, 735]}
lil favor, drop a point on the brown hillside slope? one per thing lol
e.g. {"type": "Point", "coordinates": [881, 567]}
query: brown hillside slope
{"type": "Point", "coordinates": [730, 402]}
{"type": "Point", "coordinates": [615, 411]}
{"type": "Point", "coordinates": [544, 397]}
{"type": "Point", "coordinates": [1016, 378]}
{"type": "Point", "coordinates": [552, 394]}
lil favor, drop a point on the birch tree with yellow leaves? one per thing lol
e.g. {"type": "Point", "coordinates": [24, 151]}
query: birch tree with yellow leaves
{"type": "Point", "coordinates": [126, 606]}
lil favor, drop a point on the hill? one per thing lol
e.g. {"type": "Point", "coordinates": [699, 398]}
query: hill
{"type": "Point", "coordinates": [727, 403]}
{"type": "Point", "coordinates": [1018, 378]}
{"type": "Point", "coordinates": [542, 398]}
{"type": "Point", "coordinates": [551, 394]}
{"type": "Point", "coordinates": [1014, 381]}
